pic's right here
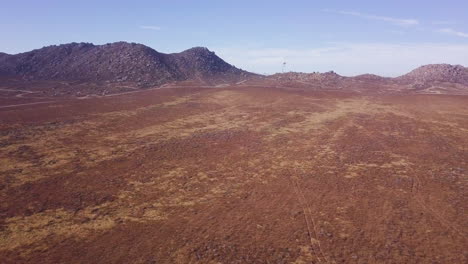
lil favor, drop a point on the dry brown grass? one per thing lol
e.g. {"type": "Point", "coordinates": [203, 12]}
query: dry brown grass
{"type": "Point", "coordinates": [211, 172]}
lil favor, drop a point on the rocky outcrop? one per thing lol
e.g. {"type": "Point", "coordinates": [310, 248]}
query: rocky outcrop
{"type": "Point", "coordinates": [117, 62]}
{"type": "Point", "coordinates": [432, 73]}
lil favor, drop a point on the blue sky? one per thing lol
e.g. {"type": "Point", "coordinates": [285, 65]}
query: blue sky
{"type": "Point", "coordinates": [350, 37]}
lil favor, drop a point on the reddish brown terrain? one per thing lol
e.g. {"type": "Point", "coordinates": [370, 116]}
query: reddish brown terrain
{"type": "Point", "coordinates": [247, 173]}
{"type": "Point", "coordinates": [120, 154]}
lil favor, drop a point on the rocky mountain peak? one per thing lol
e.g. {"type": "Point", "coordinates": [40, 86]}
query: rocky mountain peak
{"type": "Point", "coordinates": [118, 62]}
{"type": "Point", "coordinates": [437, 73]}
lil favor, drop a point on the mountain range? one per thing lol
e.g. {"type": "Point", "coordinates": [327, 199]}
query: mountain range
{"type": "Point", "coordinates": [118, 62]}
{"type": "Point", "coordinates": [142, 66]}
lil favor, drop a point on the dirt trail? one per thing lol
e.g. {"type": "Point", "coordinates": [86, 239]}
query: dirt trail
{"type": "Point", "coordinates": [26, 104]}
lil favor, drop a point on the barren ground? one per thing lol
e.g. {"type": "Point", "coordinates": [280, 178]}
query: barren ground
{"type": "Point", "coordinates": [234, 175]}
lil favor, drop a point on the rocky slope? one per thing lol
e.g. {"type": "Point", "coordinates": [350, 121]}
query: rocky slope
{"type": "Point", "coordinates": [201, 63]}
{"type": "Point", "coordinates": [432, 73]}
{"type": "Point", "coordinates": [301, 76]}
{"type": "Point", "coordinates": [118, 62]}
{"type": "Point", "coordinates": [4, 62]}
{"type": "Point", "coordinates": [327, 80]}
{"type": "Point", "coordinates": [371, 77]}
{"type": "Point", "coordinates": [3, 55]}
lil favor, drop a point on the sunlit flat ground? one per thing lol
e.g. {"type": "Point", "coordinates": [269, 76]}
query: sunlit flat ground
{"type": "Point", "coordinates": [235, 175]}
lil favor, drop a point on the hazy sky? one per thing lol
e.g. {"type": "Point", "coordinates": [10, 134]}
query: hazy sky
{"type": "Point", "coordinates": [350, 37]}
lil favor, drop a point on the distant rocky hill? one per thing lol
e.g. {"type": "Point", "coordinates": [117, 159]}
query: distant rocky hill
{"type": "Point", "coordinates": [370, 77]}
{"type": "Point", "coordinates": [325, 80]}
{"type": "Point", "coordinates": [301, 76]}
{"type": "Point", "coordinates": [433, 79]}
{"type": "Point", "coordinates": [118, 62]}
{"type": "Point", "coordinates": [429, 74]}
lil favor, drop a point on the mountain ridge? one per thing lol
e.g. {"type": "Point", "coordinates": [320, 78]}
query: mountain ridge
{"type": "Point", "coordinates": [118, 62]}
{"type": "Point", "coordinates": [426, 75]}
{"type": "Point", "coordinates": [123, 66]}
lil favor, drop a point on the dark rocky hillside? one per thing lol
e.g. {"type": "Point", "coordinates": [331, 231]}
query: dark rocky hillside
{"type": "Point", "coordinates": [201, 63]}
{"type": "Point", "coordinates": [4, 55]}
{"type": "Point", "coordinates": [431, 73]}
{"type": "Point", "coordinates": [118, 62]}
